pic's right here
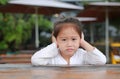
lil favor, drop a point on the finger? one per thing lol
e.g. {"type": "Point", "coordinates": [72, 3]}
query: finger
{"type": "Point", "coordinates": [82, 35]}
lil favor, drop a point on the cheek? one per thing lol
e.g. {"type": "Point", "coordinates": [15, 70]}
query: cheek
{"type": "Point", "coordinates": [79, 42]}
{"type": "Point", "coordinates": [60, 45]}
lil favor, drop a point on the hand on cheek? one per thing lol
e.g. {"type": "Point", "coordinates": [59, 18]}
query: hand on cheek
{"type": "Point", "coordinates": [84, 44]}
{"type": "Point", "coordinates": [82, 39]}
{"type": "Point", "coordinates": [54, 40]}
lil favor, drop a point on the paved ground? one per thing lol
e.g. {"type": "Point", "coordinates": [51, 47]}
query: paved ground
{"type": "Point", "coordinates": [27, 71]}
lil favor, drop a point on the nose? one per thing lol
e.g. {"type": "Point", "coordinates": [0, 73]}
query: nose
{"type": "Point", "coordinates": [69, 43]}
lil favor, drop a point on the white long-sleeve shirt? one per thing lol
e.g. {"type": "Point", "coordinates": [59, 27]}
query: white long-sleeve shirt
{"type": "Point", "coordinates": [50, 55]}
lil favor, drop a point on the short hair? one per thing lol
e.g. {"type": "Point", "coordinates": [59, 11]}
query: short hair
{"type": "Point", "coordinates": [72, 20]}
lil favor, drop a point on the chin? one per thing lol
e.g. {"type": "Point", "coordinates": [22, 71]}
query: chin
{"type": "Point", "coordinates": [70, 54]}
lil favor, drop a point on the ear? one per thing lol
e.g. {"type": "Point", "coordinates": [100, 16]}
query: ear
{"type": "Point", "coordinates": [81, 39]}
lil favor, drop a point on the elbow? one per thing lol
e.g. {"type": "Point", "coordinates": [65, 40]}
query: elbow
{"type": "Point", "coordinates": [102, 61]}
{"type": "Point", "coordinates": [99, 61]}
{"type": "Point", "coordinates": [34, 61]}
{"type": "Point", "coordinates": [37, 61]}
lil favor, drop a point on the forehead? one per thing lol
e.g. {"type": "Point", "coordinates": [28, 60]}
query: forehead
{"type": "Point", "coordinates": [68, 29]}
{"type": "Point", "coordinates": [68, 26]}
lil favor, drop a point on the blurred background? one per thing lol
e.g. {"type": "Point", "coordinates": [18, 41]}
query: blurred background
{"type": "Point", "coordinates": [18, 31]}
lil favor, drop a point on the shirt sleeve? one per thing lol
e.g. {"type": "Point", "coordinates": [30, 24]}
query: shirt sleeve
{"type": "Point", "coordinates": [43, 56]}
{"type": "Point", "coordinates": [95, 57]}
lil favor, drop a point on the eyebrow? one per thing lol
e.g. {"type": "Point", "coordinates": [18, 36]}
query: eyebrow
{"type": "Point", "coordinates": [66, 37]}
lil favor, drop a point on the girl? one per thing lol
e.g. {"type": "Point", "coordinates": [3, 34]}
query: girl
{"type": "Point", "coordinates": [67, 39]}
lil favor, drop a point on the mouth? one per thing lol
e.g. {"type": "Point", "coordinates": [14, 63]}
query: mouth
{"type": "Point", "coordinates": [70, 50]}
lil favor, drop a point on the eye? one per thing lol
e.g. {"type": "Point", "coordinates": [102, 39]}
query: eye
{"type": "Point", "coordinates": [63, 39]}
{"type": "Point", "coordinates": [74, 39]}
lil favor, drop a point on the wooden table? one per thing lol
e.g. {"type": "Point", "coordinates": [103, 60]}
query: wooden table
{"type": "Point", "coordinates": [27, 71]}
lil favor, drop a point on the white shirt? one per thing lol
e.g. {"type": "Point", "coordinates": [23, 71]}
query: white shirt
{"type": "Point", "coordinates": [50, 55]}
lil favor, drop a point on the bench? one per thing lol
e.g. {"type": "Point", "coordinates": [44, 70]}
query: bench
{"type": "Point", "coordinates": [15, 58]}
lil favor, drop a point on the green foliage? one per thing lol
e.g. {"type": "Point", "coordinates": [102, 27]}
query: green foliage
{"type": "Point", "coordinates": [43, 23]}
{"type": "Point", "coordinates": [17, 28]}
{"type": "Point", "coordinates": [3, 45]}
{"type": "Point", "coordinates": [13, 29]}
{"type": "Point", "coordinates": [3, 2]}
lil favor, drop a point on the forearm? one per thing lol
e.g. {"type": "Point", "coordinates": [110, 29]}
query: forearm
{"type": "Point", "coordinates": [95, 57]}
{"type": "Point", "coordinates": [44, 55]}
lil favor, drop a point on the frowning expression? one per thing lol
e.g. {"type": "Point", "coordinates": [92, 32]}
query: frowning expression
{"type": "Point", "coordinates": [68, 40]}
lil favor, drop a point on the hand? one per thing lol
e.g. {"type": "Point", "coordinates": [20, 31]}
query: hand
{"type": "Point", "coordinates": [53, 39]}
{"type": "Point", "coordinates": [82, 36]}
{"type": "Point", "coordinates": [84, 44]}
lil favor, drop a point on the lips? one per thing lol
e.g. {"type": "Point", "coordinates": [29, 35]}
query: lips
{"type": "Point", "coordinates": [70, 50]}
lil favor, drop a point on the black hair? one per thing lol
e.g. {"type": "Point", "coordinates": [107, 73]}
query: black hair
{"type": "Point", "coordinates": [63, 20]}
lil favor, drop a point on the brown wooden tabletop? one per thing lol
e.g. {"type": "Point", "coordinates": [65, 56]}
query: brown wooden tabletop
{"type": "Point", "coordinates": [27, 71]}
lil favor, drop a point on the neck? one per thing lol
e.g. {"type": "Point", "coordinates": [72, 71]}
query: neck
{"type": "Point", "coordinates": [67, 58]}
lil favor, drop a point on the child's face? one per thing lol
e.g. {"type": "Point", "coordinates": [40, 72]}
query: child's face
{"type": "Point", "coordinates": [68, 40]}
